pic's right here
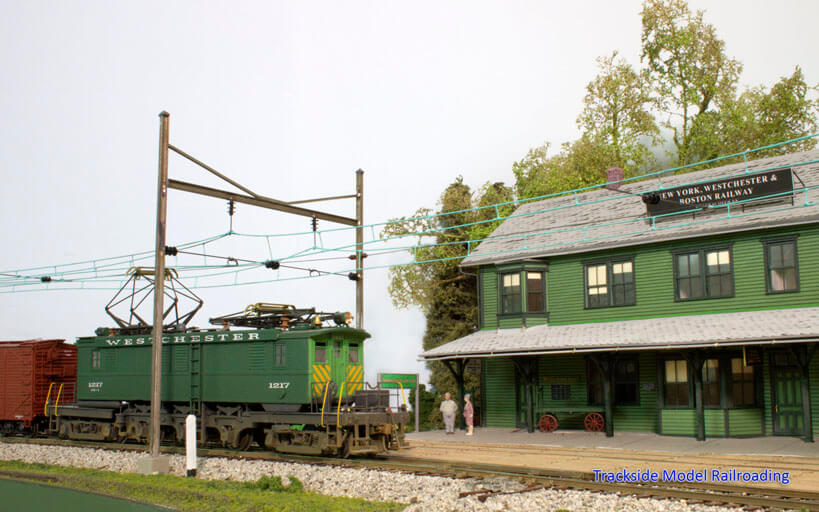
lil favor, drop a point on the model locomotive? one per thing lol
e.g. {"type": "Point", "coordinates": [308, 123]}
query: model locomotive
{"type": "Point", "coordinates": [288, 379]}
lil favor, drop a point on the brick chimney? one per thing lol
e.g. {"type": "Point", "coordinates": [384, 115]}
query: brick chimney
{"type": "Point", "coordinates": [613, 176]}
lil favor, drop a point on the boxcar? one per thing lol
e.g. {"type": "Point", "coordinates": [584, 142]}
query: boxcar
{"type": "Point", "coordinates": [32, 374]}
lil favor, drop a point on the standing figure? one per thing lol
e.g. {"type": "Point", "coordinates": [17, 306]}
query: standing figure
{"type": "Point", "coordinates": [469, 411]}
{"type": "Point", "coordinates": [449, 409]}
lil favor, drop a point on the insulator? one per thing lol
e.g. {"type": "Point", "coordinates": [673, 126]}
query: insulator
{"type": "Point", "coordinates": [231, 209]}
{"type": "Point", "coordinates": [45, 279]}
{"type": "Point", "coordinates": [314, 223]}
{"type": "Point", "coordinates": [271, 264]}
{"type": "Point", "coordinates": [352, 276]}
{"type": "Point", "coordinates": [171, 251]}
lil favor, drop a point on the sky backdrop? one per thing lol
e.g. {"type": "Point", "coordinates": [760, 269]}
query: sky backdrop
{"type": "Point", "coordinates": [289, 99]}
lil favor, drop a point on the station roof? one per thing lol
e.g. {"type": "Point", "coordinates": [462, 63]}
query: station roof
{"type": "Point", "coordinates": [604, 219]}
{"type": "Point", "coordinates": [776, 326]}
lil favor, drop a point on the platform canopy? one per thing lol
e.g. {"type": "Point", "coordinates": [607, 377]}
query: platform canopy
{"type": "Point", "coordinates": [771, 327]}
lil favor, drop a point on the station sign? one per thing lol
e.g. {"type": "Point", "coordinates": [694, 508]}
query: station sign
{"type": "Point", "coordinates": [719, 192]}
{"type": "Point", "coordinates": [391, 380]}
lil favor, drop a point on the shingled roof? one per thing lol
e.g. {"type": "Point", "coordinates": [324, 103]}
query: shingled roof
{"type": "Point", "coordinates": [720, 329]}
{"type": "Point", "coordinates": [603, 219]}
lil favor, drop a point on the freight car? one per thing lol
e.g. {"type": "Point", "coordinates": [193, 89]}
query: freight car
{"type": "Point", "coordinates": [32, 373]}
{"type": "Point", "coordinates": [288, 379]}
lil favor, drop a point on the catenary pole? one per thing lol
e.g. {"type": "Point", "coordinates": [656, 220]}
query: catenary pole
{"type": "Point", "coordinates": [159, 282]}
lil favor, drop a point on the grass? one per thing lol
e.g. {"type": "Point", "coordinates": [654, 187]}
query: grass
{"type": "Point", "coordinates": [268, 494]}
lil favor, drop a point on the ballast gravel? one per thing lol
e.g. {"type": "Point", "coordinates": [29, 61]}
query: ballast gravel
{"type": "Point", "coordinates": [419, 492]}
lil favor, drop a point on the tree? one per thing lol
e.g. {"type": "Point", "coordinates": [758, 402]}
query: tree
{"type": "Point", "coordinates": [690, 73]}
{"type": "Point", "coordinates": [579, 164]}
{"type": "Point", "coordinates": [446, 296]}
{"type": "Point", "coordinates": [616, 114]}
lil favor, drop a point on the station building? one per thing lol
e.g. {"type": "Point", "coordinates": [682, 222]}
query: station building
{"type": "Point", "coordinates": [680, 304]}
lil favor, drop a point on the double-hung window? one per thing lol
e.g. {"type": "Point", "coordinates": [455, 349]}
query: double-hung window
{"type": "Point", "coordinates": [743, 384]}
{"type": "Point", "coordinates": [781, 268]}
{"type": "Point", "coordinates": [703, 274]}
{"type": "Point", "coordinates": [626, 383]}
{"type": "Point", "coordinates": [675, 390]}
{"type": "Point", "coordinates": [609, 283]}
{"type": "Point", "coordinates": [523, 292]}
{"type": "Point", "coordinates": [710, 382]}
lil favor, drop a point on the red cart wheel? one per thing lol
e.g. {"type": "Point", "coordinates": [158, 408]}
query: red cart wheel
{"type": "Point", "coordinates": [547, 423]}
{"type": "Point", "coordinates": [594, 422]}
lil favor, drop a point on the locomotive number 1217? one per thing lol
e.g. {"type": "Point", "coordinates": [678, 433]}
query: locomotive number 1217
{"type": "Point", "coordinates": [278, 385]}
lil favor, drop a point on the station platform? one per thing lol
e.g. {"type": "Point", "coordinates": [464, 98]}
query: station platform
{"type": "Point", "coordinates": [759, 446]}
{"type": "Point", "coordinates": [777, 461]}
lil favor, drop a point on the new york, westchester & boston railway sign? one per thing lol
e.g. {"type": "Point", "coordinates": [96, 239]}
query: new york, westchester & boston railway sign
{"type": "Point", "coordinates": [719, 192]}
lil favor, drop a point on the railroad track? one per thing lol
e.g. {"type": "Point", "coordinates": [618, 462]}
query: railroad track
{"type": "Point", "coordinates": [750, 497]}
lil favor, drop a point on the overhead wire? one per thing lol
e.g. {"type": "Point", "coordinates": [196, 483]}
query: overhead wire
{"type": "Point", "coordinates": [15, 278]}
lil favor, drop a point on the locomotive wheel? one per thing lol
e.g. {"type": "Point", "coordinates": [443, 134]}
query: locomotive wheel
{"type": "Point", "coordinates": [547, 423]}
{"type": "Point", "coordinates": [245, 438]}
{"type": "Point", "coordinates": [594, 422]}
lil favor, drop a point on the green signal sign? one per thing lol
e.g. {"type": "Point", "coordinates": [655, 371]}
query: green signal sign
{"type": "Point", "coordinates": [398, 380]}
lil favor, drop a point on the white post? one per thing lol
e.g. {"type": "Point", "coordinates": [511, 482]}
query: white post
{"type": "Point", "coordinates": [190, 445]}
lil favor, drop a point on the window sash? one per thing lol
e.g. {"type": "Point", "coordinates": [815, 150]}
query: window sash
{"type": "Point", "coordinates": [704, 274]}
{"type": "Point", "coordinates": [743, 384]}
{"type": "Point", "coordinates": [610, 284]}
{"type": "Point", "coordinates": [510, 293]}
{"type": "Point", "coordinates": [676, 391]}
{"type": "Point", "coordinates": [781, 266]}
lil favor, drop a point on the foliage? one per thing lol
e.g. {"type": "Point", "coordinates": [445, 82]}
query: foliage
{"type": "Point", "coordinates": [446, 295]}
{"type": "Point", "coordinates": [689, 71]}
{"type": "Point", "coordinates": [760, 118]}
{"type": "Point", "coordinates": [274, 484]}
{"type": "Point", "coordinates": [616, 114]}
{"type": "Point", "coordinates": [579, 164]}
{"type": "Point", "coordinates": [188, 494]}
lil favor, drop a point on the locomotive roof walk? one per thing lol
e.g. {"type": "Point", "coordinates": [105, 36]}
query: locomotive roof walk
{"type": "Point", "coordinates": [605, 219]}
{"type": "Point", "coordinates": [722, 329]}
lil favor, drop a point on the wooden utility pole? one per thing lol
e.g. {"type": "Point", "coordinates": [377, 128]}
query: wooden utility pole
{"type": "Point", "coordinates": [159, 282]}
{"type": "Point", "coordinates": [163, 184]}
{"type": "Point", "coordinates": [359, 249]}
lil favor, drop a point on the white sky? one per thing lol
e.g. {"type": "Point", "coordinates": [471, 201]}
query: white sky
{"type": "Point", "coordinates": [289, 99]}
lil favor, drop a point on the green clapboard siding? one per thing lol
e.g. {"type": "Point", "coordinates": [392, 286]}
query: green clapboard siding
{"type": "Point", "coordinates": [814, 393]}
{"type": "Point", "coordinates": [679, 422]}
{"type": "Point", "coordinates": [500, 393]}
{"type": "Point", "coordinates": [489, 300]}
{"type": "Point", "coordinates": [655, 286]}
{"type": "Point", "coordinates": [745, 422]}
{"type": "Point", "coordinates": [684, 422]}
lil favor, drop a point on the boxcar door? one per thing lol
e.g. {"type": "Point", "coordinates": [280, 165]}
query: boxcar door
{"type": "Point", "coordinates": [786, 395]}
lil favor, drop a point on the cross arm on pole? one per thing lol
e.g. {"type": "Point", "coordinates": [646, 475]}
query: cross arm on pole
{"type": "Point", "coordinates": [259, 201]}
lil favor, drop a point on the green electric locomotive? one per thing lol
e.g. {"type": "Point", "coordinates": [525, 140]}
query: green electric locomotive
{"type": "Point", "coordinates": [288, 379]}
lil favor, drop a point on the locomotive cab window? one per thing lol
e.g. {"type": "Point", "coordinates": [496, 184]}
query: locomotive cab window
{"type": "Point", "coordinates": [321, 353]}
{"type": "Point", "coordinates": [353, 353]}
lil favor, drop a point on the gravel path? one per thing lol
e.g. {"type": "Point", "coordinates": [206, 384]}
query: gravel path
{"type": "Point", "coordinates": [420, 493]}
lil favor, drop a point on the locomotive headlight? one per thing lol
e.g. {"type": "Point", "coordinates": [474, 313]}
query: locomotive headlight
{"type": "Point", "coordinates": [341, 318]}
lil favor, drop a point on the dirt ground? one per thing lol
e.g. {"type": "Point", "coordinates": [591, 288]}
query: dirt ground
{"type": "Point", "coordinates": [803, 472]}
